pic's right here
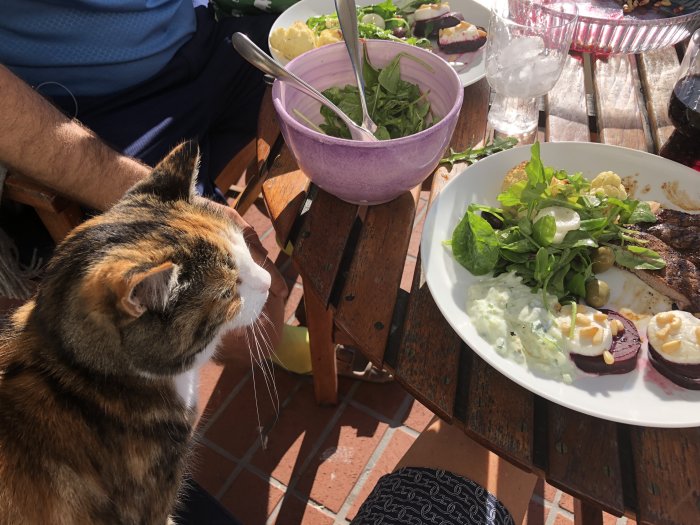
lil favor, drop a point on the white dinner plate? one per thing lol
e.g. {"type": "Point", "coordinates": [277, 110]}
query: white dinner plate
{"type": "Point", "coordinates": [642, 397]}
{"type": "Point", "coordinates": [469, 66]}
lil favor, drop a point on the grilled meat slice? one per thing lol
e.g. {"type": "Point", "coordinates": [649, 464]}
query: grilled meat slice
{"type": "Point", "coordinates": [679, 280]}
{"type": "Point", "coordinates": [678, 218]}
{"type": "Point", "coordinates": [681, 231]}
{"type": "Point", "coordinates": [685, 242]}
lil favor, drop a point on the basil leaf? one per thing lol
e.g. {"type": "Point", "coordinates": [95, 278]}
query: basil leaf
{"type": "Point", "coordinates": [544, 230]}
{"type": "Point", "coordinates": [642, 213]}
{"type": "Point", "coordinates": [390, 76]}
{"type": "Point", "coordinates": [578, 239]}
{"type": "Point", "coordinates": [512, 196]}
{"type": "Point", "coordinates": [543, 264]}
{"type": "Point", "coordinates": [576, 283]}
{"type": "Point", "coordinates": [474, 244]}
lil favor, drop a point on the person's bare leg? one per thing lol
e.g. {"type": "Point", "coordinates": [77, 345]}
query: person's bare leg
{"type": "Point", "coordinates": [445, 447]}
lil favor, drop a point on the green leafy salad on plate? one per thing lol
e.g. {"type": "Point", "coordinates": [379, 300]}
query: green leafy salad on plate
{"type": "Point", "coordinates": [430, 24]}
{"type": "Point", "coordinates": [555, 230]}
{"type": "Point", "coordinates": [542, 250]}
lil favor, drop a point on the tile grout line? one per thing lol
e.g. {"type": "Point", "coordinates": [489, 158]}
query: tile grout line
{"type": "Point", "coordinates": [207, 420]}
{"type": "Point", "coordinates": [291, 490]}
{"type": "Point", "coordinates": [245, 460]}
{"type": "Point", "coordinates": [392, 422]}
{"type": "Point", "coordinates": [554, 508]}
{"type": "Point", "coordinates": [366, 473]}
{"type": "Point", "coordinates": [395, 424]}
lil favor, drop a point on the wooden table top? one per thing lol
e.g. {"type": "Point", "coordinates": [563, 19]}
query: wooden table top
{"type": "Point", "coordinates": [353, 258]}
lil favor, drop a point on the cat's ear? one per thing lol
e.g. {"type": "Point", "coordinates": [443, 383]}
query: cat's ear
{"type": "Point", "coordinates": [148, 290]}
{"type": "Point", "coordinates": [174, 177]}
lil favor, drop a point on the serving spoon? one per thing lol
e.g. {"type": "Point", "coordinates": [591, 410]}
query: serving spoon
{"type": "Point", "coordinates": [265, 63]}
{"type": "Point", "coordinates": [347, 17]}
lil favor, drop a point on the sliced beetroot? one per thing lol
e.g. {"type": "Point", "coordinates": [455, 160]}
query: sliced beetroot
{"type": "Point", "coordinates": [687, 376]}
{"type": "Point", "coordinates": [625, 349]}
{"type": "Point", "coordinates": [431, 27]}
{"type": "Point", "coordinates": [463, 46]}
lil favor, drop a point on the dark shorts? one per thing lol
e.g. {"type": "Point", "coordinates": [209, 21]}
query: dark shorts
{"type": "Point", "coordinates": [206, 92]}
{"type": "Point", "coordinates": [422, 495]}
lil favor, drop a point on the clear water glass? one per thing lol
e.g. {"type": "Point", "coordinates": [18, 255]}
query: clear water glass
{"type": "Point", "coordinates": [527, 46]}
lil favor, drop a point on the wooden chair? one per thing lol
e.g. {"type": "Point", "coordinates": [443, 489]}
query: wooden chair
{"type": "Point", "coordinates": [58, 214]}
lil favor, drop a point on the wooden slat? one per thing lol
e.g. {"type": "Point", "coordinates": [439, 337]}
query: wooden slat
{"type": "Point", "coordinates": [58, 214]}
{"type": "Point", "coordinates": [285, 193]}
{"type": "Point", "coordinates": [429, 352]}
{"type": "Point", "coordinates": [620, 120]}
{"type": "Point", "coordinates": [500, 412]}
{"type": "Point", "coordinates": [586, 514]}
{"type": "Point", "coordinates": [567, 115]}
{"type": "Point", "coordinates": [367, 300]}
{"type": "Point", "coordinates": [236, 167]}
{"type": "Point", "coordinates": [319, 318]}
{"type": "Point", "coordinates": [428, 343]}
{"type": "Point", "coordinates": [268, 126]}
{"type": "Point", "coordinates": [21, 189]}
{"type": "Point", "coordinates": [472, 117]}
{"type": "Point", "coordinates": [658, 71]}
{"type": "Point", "coordinates": [667, 466]}
{"type": "Point", "coordinates": [584, 458]}
{"type": "Point", "coordinates": [320, 245]}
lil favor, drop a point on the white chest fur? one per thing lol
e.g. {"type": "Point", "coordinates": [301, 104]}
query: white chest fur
{"type": "Point", "coordinates": [186, 385]}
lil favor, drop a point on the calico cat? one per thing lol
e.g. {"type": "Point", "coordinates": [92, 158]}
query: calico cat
{"type": "Point", "coordinates": [98, 370]}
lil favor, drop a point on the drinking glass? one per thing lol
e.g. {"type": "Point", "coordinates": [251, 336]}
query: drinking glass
{"type": "Point", "coordinates": [528, 42]}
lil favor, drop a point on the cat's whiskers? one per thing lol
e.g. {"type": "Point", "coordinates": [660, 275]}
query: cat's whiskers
{"type": "Point", "coordinates": [253, 341]}
{"type": "Point", "coordinates": [268, 351]}
{"type": "Point", "coordinates": [265, 365]}
{"type": "Point", "coordinates": [263, 441]}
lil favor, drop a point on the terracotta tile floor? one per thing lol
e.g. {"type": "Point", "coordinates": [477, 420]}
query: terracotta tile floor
{"type": "Point", "coordinates": [315, 465]}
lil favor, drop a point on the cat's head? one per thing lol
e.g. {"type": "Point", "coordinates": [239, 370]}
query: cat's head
{"type": "Point", "coordinates": [151, 285]}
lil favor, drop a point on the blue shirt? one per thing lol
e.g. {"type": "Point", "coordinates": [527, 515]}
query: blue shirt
{"type": "Point", "coordinates": [92, 47]}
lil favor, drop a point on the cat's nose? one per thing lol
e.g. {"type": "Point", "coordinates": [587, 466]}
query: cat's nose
{"type": "Point", "coordinates": [260, 279]}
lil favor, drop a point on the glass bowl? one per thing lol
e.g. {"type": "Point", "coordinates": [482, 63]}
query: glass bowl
{"type": "Point", "coordinates": [604, 29]}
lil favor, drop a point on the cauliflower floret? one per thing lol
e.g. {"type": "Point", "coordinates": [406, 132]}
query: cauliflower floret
{"type": "Point", "coordinates": [332, 22]}
{"type": "Point", "coordinates": [610, 184]}
{"type": "Point", "coordinates": [329, 36]}
{"type": "Point", "coordinates": [294, 40]}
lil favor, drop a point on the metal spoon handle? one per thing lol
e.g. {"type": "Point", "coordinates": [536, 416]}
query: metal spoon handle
{"type": "Point", "coordinates": [347, 17]}
{"type": "Point", "coordinates": [257, 57]}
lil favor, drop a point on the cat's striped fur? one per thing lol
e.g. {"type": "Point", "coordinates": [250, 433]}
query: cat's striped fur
{"type": "Point", "coordinates": [97, 371]}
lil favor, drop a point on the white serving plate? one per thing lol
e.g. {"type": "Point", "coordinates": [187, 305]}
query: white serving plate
{"type": "Point", "coordinates": [642, 397]}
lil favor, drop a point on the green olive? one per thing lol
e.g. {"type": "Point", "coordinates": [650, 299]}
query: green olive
{"type": "Point", "coordinates": [603, 258]}
{"type": "Point", "coordinates": [597, 293]}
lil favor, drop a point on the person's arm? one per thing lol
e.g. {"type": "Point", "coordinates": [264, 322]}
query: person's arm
{"type": "Point", "coordinates": [40, 142]}
{"type": "Point", "coordinates": [43, 144]}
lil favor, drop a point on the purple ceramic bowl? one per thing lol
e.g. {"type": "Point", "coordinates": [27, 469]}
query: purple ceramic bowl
{"type": "Point", "coordinates": [367, 172]}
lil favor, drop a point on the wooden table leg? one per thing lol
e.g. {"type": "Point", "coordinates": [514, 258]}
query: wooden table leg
{"type": "Point", "coordinates": [319, 321]}
{"type": "Point", "coordinates": [586, 514]}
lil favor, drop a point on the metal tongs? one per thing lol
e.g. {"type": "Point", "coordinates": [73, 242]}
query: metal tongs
{"type": "Point", "coordinates": [347, 16]}
{"type": "Point", "coordinates": [265, 63]}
